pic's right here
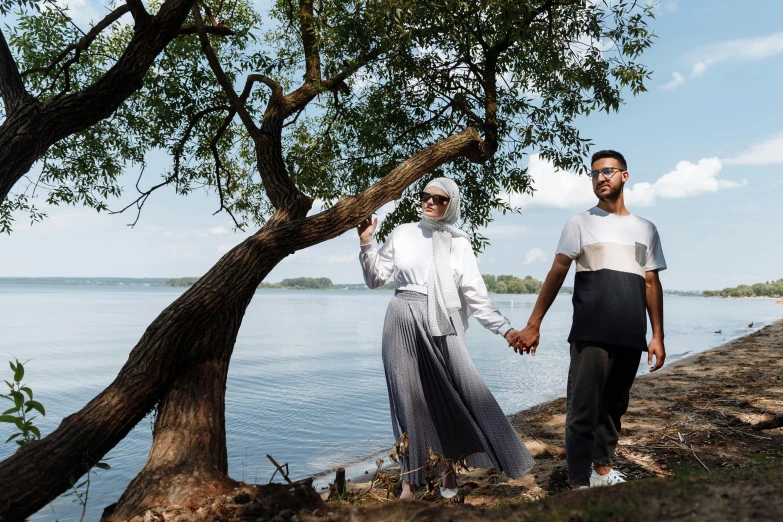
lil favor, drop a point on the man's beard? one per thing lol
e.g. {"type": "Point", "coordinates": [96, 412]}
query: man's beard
{"type": "Point", "coordinates": [613, 195]}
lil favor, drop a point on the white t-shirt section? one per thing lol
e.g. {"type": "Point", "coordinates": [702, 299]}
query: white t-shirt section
{"type": "Point", "coordinates": [407, 257]}
{"type": "Point", "coordinates": [598, 226]}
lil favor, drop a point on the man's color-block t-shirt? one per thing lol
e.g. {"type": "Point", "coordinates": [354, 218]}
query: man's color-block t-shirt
{"type": "Point", "coordinates": [612, 254]}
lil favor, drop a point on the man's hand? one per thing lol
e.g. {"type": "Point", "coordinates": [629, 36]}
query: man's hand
{"type": "Point", "coordinates": [511, 336]}
{"type": "Point", "coordinates": [656, 349]}
{"type": "Point", "coordinates": [527, 340]}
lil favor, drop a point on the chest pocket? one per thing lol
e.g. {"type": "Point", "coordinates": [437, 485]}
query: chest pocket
{"type": "Point", "coordinates": [641, 254]}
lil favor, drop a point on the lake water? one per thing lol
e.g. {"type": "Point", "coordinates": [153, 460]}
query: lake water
{"type": "Point", "coordinates": [306, 383]}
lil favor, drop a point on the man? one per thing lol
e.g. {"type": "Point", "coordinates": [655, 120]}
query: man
{"type": "Point", "coordinates": [618, 256]}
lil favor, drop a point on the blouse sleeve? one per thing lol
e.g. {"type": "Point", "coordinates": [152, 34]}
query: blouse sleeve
{"type": "Point", "coordinates": [377, 264]}
{"type": "Point", "coordinates": [475, 292]}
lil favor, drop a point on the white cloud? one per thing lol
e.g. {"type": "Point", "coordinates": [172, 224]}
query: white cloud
{"type": "Point", "coordinates": [698, 69]}
{"type": "Point", "coordinates": [742, 50]}
{"type": "Point", "coordinates": [746, 49]}
{"type": "Point", "coordinates": [533, 255]}
{"type": "Point", "coordinates": [686, 180]}
{"type": "Point", "coordinates": [554, 188]}
{"type": "Point", "coordinates": [495, 231]}
{"type": "Point", "coordinates": [768, 152]}
{"type": "Point", "coordinates": [667, 6]}
{"type": "Point", "coordinates": [558, 189]}
{"type": "Point", "coordinates": [219, 231]}
{"type": "Point", "coordinates": [347, 258]}
{"type": "Point", "coordinates": [676, 81]}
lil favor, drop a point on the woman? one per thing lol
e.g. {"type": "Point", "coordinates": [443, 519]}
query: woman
{"type": "Point", "coordinates": [436, 395]}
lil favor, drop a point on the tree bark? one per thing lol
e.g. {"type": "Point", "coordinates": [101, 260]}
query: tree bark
{"type": "Point", "coordinates": [180, 335]}
{"type": "Point", "coordinates": [188, 460]}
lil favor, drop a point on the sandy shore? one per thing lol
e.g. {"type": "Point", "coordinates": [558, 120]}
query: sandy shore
{"type": "Point", "coordinates": [695, 415]}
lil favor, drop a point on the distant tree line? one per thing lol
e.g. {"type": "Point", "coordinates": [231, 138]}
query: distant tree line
{"type": "Point", "coordinates": [508, 284]}
{"type": "Point", "coordinates": [768, 289]}
{"type": "Point", "coordinates": [302, 283]}
{"type": "Point", "coordinates": [502, 284]}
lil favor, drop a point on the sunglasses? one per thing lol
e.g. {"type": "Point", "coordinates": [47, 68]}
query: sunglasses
{"type": "Point", "coordinates": [608, 173]}
{"type": "Point", "coordinates": [439, 200]}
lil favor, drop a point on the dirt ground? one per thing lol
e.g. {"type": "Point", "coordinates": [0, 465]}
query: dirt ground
{"type": "Point", "coordinates": [688, 427]}
{"type": "Point", "coordinates": [688, 448]}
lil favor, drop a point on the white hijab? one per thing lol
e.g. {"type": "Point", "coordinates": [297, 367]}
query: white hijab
{"type": "Point", "coordinates": [443, 297]}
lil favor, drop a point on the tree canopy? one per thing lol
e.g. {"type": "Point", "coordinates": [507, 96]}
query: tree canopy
{"type": "Point", "coordinates": [405, 75]}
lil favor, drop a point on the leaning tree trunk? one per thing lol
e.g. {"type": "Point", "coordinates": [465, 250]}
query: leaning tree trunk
{"type": "Point", "coordinates": [188, 460]}
{"type": "Point", "coordinates": [188, 338]}
{"type": "Point", "coordinates": [182, 344]}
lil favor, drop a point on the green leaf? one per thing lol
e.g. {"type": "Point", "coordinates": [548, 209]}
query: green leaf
{"type": "Point", "coordinates": [12, 437]}
{"type": "Point", "coordinates": [19, 372]}
{"type": "Point", "coordinates": [28, 391]}
{"type": "Point", "coordinates": [12, 410]}
{"type": "Point", "coordinates": [18, 398]}
{"type": "Point", "coordinates": [13, 366]}
{"type": "Point", "coordinates": [9, 385]}
{"type": "Point", "coordinates": [758, 459]}
{"type": "Point", "coordinates": [8, 418]}
{"type": "Point", "coordinates": [36, 431]}
{"type": "Point", "coordinates": [36, 406]}
{"type": "Point", "coordinates": [102, 465]}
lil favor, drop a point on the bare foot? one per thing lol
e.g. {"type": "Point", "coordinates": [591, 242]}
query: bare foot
{"type": "Point", "coordinates": [407, 492]}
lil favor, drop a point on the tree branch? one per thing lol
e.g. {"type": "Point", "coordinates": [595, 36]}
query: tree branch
{"type": "Point", "coordinates": [310, 42]}
{"type": "Point", "coordinates": [140, 14]}
{"type": "Point", "coordinates": [219, 166]}
{"type": "Point", "coordinates": [350, 210]}
{"type": "Point", "coordinates": [276, 88]}
{"type": "Point", "coordinates": [491, 56]}
{"type": "Point", "coordinates": [298, 99]}
{"type": "Point", "coordinates": [188, 131]}
{"type": "Point", "coordinates": [143, 196]}
{"type": "Point", "coordinates": [236, 103]}
{"type": "Point", "coordinates": [221, 29]}
{"type": "Point", "coordinates": [11, 86]}
{"type": "Point", "coordinates": [508, 39]}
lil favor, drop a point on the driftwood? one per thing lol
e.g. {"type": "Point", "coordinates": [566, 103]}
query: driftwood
{"type": "Point", "coordinates": [280, 469]}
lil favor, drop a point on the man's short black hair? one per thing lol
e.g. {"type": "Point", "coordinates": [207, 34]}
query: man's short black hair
{"type": "Point", "coordinates": [601, 154]}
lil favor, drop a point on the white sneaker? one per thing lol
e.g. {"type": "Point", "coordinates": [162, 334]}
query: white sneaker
{"type": "Point", "coordinates": [610, 479]}
{"type": "Point", "coordinates": [448, 492]}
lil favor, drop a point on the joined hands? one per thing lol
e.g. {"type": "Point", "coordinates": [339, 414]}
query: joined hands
{"type": "Point", "coordinates": [525, 340]}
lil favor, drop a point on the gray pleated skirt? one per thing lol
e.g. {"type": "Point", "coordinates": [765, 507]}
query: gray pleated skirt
{"type": "Point", "coordinates": [439, 399]}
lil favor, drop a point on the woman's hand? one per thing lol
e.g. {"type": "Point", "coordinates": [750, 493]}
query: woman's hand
{"type": "Point", "coordinates": [366, 229]}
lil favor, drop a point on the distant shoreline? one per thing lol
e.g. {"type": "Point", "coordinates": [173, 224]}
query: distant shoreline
{"type": "Point", "coordinates": [170, 282]}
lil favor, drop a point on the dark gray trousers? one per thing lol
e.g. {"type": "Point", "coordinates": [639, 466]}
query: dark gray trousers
{"type": "Point", "coordinates": [599, 385]}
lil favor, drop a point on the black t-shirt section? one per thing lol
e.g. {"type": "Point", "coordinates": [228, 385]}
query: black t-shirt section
{"type": "Point", "coordinates": [610, 307]}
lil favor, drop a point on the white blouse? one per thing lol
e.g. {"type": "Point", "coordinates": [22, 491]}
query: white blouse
{"type": "Point", "coordinates": [407, 256]}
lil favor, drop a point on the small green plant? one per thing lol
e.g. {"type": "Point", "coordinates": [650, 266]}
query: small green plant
{"type": "Point", "coordinates": [81, 491]}
{"type": "Point", "coordinates": [17, 415]}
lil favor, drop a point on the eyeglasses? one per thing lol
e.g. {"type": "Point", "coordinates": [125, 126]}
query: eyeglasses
{"type": "Point", "coordinates": [608, 173]}
{"type": "Point", "coordinates": [440, 200]}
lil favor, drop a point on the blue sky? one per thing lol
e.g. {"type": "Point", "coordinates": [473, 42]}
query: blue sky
{"type": "Point", "coordinates": [704, 147]}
